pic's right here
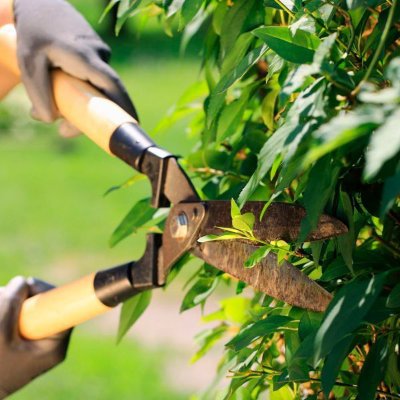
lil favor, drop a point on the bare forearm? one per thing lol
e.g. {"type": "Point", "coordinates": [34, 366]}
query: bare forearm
{"type": "Point", "coordinates": [6, 16]}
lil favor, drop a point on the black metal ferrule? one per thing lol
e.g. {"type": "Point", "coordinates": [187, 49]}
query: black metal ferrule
{"type": "Point", "coordinates": [113, 286]}
{"type": "Point", "coordinates": [129, 142]}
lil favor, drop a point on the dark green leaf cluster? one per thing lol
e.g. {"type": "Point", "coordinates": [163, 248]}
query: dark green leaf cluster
{"type": "Point", "coordinates": [299, 102]}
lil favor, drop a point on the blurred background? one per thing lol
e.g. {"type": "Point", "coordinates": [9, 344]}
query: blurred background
{"type": "Point", "coordinates": [55, 223]}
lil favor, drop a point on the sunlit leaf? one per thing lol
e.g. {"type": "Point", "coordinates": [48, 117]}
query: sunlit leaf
{"type": "Point", "coordinates": [297, 48]}
{"type": "Point", "coordinates": [131, 311]}
{"type": "Point", "coordinates": [383, 145]}
{"type": "Point", "coordinates": [218, 94]}
{"type": "Point", "coordinates": [199, 292]}
{"type": "Point", "coordinates": [257, 256]}
{"type": "Point", "coordinates": [140, 214]}
{"type": "Point", "coordinates": [222, 236]}
{"type": "Point", "coordinates": [264, 327]}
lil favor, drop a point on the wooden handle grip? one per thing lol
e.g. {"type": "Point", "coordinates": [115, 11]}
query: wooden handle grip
{"type": "Point", "coordinates": [59, 309]}
{"type": "Point", "coordinates": [78, 102]}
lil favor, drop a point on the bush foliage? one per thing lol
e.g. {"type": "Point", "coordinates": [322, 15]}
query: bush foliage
{"type": "Point", "coordinates": [298, 102]}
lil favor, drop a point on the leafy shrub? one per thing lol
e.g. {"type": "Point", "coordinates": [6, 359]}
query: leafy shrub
{"type": "Point", "coordinates": [299, 102]}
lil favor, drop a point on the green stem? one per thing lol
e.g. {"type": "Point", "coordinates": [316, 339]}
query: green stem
{"type": "Point", "coordinates": [379, 49]}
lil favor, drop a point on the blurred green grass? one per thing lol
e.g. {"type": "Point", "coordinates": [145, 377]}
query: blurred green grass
{"type": "Point", "coordinates": [98, 370]}
{"type": "Point", "coordinates": [55, 222]}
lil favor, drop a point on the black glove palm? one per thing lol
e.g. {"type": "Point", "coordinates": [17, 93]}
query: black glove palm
{"type": "Point", "coordinates": [52, 34]}
{"type": "Point", "coordinates": [23, 360]}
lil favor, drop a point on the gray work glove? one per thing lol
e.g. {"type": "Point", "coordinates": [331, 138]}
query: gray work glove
{"type": "Point", "coordinates": [23, 360]}
{"type": "Point", "coordinates": [52, 34]}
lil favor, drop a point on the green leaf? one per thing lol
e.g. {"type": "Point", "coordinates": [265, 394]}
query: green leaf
{"type": "Point", "coordinates": [174, 7]}
{"type": "Point", "coordinates": [131, 311]}
{"type": "Point", "coordinates": [207, 340]}
{"type": "Point", "coordinates": [233, 23]}
{"type": "Point", "coordinates": [298, 48]}
{"type": "Point", "coordinates": [298, 368]}
{"type": "Point", "coordinates": [139, 215]}
{"type": "Point", "coordinates": [261, 328]}
{"type": "Point", "coordinates": [281, 256]}
{"type": "Point", "coordinates": [316, 248]}
{"type": "Point", "coordinates": [222, 236]}
{"type": "Point", "coordinates": [266, 158]}
{"type": "Point", "coordinates": [109, 7]}
{"type": "Point", "coordinates": [346, 242]}
{"type": "Point", "coordinates": [217, 97]}
{"type": "Point", "coordinates": [190, 8]}
{"type": "Point", "coordinates": [288, 136]}
{"type": "Point", "coordinates": [131, 181]}
{"type": "Point", "coordinates": [233, 309]}
{"type": "Point", "coordinates": [257, 256]}
{"type": "Point", "coordinates": [231, 117]}
{"type": "Point", "coordinates": [391, 191]}
{"type": "Point", "coordinates": [383, 145]}
{"type": "Point", "coordinates": [342, 130]}
{"type": "Point", "coordinates": [336, 269]}
{"type": "Point", "coordinates": [345, 313]}
{"type": "Point", "coordinates": [393, 300]}
{"type": "Point", "coordinates": [199, 292]}
{"type": "Point", "coordinates": [244, 222]}
{"type": "Point", "coordinates": [292, 343]}
{"type": "Point", "coordinates": [373, 369]}
{"type": "Point", "coordinates": [309, 322]}
{"type": "Point", "coordinates": [235, 210]}
{"type": "Point", "coordinates": [238, 51]}
{"type": "Point", "coordinates": [321, 183]}
{"type": "Point", "coordinates": [334, 361]}
{"type": "Point", "coordinates": [393, 372]}
{"type": "Point", "coordinates": [125, 10]}
{"type": "Point", "coordinates": [268, 103]}
{"type": "Point", "coordinates": [284, 393]}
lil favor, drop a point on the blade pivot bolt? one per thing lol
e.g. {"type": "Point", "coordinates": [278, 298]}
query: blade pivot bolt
{"type": "Point", "coordinates": [179, 226]}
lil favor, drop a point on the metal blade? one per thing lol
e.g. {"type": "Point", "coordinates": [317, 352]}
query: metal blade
{"type": "Point", "coordinates": [281, 221]}
{"type": "Point", "coordinates": [178, 187]}
{"type": "Point", "coordinates": [284, 282]}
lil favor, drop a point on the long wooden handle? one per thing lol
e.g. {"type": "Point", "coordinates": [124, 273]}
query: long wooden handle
{"type": "Point", "coordinates": [59, 309]}
{"type": "Point", "coordinates": [78, 102]}
{"type": "Point", "coordinates": [64, 307]}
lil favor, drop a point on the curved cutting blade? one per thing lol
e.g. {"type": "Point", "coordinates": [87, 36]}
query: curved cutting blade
{"type": "Point", "coordinates": [284, 282]}
{"type": "Point", "coordinates": [282, 221]}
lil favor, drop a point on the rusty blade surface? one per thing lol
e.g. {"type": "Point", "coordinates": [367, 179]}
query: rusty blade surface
{"type": "Point", "coordinates": [284, 282]}
{"type": "Point", "coordinates": [281, 221]}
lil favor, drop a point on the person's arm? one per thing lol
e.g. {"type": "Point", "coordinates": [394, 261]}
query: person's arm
{"type": "Point", "coordinates": [6, 15]}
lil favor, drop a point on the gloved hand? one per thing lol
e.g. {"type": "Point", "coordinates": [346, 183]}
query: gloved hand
{"type": "Point", "coordinates": [23, 360]}
{"type": "Point", "coordinates": [52, 34]}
